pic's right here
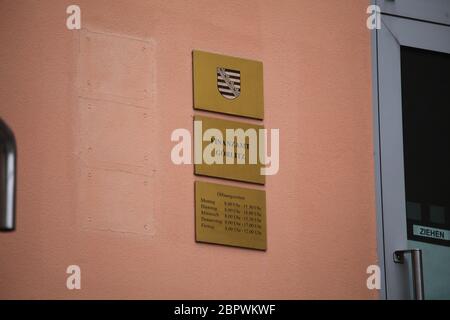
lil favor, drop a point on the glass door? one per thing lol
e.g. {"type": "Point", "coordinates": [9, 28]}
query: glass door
{"type": "Point", "coordinates": [413, 156]}
{"type": "Point", "coordinates": [426, 152]}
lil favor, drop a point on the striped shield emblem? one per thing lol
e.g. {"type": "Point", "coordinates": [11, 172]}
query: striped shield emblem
{"type": "Point", "coordinates": [229, 83]}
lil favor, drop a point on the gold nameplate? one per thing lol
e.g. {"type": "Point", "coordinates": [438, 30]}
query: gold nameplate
{"type": "Point", "coordinates": [233, 150]}
{"type": "Point", "coordinates": [228, 85]}
{"type": "Point", "coordinates": [230, 215]}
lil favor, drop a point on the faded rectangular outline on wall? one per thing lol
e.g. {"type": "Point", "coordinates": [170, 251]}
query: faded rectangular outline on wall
{"type": "Point", "coordinates": [115, 133]}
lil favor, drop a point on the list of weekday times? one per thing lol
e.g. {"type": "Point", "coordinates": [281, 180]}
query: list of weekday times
{"type": "Point", "coordinates": [230, 215]}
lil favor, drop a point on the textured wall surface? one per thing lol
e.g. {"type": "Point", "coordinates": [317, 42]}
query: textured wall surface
{"type": "Point", "coordinates": [93, 111]}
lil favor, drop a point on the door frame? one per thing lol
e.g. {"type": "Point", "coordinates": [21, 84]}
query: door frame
{"type": "Point", "coordinates": [422, 10]}
{"type": "Point", "coordinates": [398, 28]}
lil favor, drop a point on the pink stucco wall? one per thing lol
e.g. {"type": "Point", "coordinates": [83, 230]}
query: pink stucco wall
{"type": "Point", "coordinates": [93, 111]}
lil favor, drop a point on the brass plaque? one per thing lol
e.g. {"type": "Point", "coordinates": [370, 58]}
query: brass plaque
{"type": "Point", "coordinates": [228, 85]}
{"type": "Point", "coordinates": [249, 171]}
{"type": "Point", "coordinates": [230, 215]}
